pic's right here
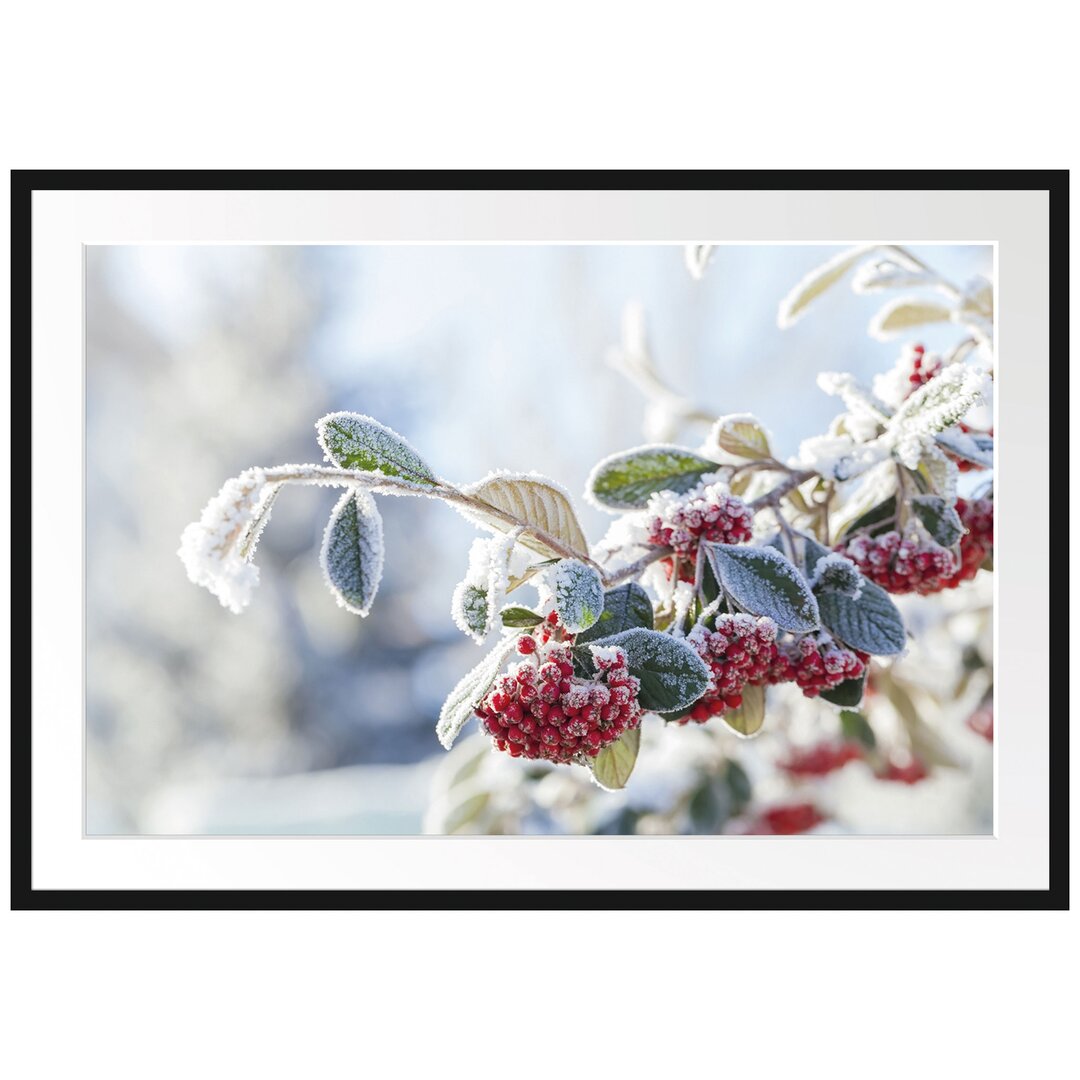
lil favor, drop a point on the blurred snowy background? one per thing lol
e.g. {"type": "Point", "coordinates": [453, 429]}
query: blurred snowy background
{"type": "Point", "coordinates": [298, 717]}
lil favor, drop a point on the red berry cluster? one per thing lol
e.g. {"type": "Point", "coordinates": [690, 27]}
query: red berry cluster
{"type": "Point", "coordinates": [923, 368]}
{"type": "Point", "coordinates": [815, 665]}
{"type": "Point", "coordinates": [540, 710]}
{"type": "Point", "coordinates": [740, 650]}
{"type": "Point", "coordinates": [978, 542]}
{"type": "Point", "coordinates": [901, 565]}
{"type": "Point", "coordinates": [822, 759]}
{"type": "Point", "coordinates": [711, 515]}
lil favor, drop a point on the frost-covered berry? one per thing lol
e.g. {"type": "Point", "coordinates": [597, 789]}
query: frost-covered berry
{"type": "Point", "coordinates": [526, 644]}
{"type": "Point", "coordinates": [923, 367]}
{"type": "Point", "coordinates": [539, 709]}
{"type": "Point", "coordinates": [709, 512]}
{"type": "Point", "coordinates": [977, 543]}
{"type": "Point", "coordinates": [902, 565]}
{"type": "Point", "coordinates": [821, 759]}
{"type": "Point", "coordinates": [740, 650]}
{"type": "Point", "coordinates": [816, 663]}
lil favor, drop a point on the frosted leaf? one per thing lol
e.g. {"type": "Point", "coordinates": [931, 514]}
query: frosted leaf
{"type": "Point", "coordinates": [212, 549]}
{"type": "Point", "coordinates": [532, 500]}
{"type": "Point", "coordinates": [820, 279]}
{"type": "Point", "coordinates": [353, 441]}
{"type": "Point", "coordinates": [761, 581]}
{"type": "Point", "coordinates": [939, 518]}
{"type": "Point", "coordinates": [697, 257]}
{"type": "Point", "coordinates": [855, 396]}
{"type": "Point", "coordinates": [352, 552]}
{"type": "Point", "coordinates": [839, 457]}
{"type": "Point", "coordinates": [625, 607]}
{"type": "Point", "coordinates": [906, 312]}
{"type": "Point", "coordinates": [838, 573]}
{"type": "Point", "coordinates": [870, 622]}
{"type": "Point", "coordinates": [975, 448]}
{"type": "Point", "coordinates": [742, 435]}
{"type": "Point", "coordinates": [461, 702]}
{"type": "Point", "coordinates": [671, 673]}
{"type": "Point", "coordinates": [939, 403]}
{"type": "Point", "coordinates": [875, 276]}
{"type": "Point", "coordinates": [893, 386]}
{"type": "Point", "coordinates": [579, 594]}
{"type": "Point", "coordinates": [624, 481]}
{"type": "Point", "coordinates": [479, 596]}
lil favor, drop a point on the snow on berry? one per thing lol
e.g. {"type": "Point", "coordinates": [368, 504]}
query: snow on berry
{"type": "Point", "coordinates": [815, 663]}
{"type": "Point", "coordinates": [211, 548]}
{"type": "Point", "coordinates": [706, 512]}
{"type": "Point", "coordinates": [740, 650]}
{"type": "Point", "coordinates": [902, 565]}
{"type": "Point", "coordinates": [539, 709]}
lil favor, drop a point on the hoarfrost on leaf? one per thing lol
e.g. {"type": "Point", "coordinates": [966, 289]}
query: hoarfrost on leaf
{"type": "Point", "coordinates": [579, 594]}
{"type": "Point", "coordinates": [904, 313]}
{"type": "Point", "coordinates": [461, 702]}
{"type": "Point", "coordinates": [838, 573]}
{"type": "Point", "coordinates": [352, 551]}
{"type": "Point", "coordinates": [763, 582]}
{"type": "Point", "coordinates": [625, 481]}
{"type": "Point", "coordinates": [212, 548]}
{"type": "Point", "coordinates": [478, 598]}
{"type": "Point", "coordinates": [354, 441]}
{"type": "Point", "coordinates": [820, 279]}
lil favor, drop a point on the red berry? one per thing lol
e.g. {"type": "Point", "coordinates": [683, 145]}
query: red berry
{"type": "Point", "coordinates": [526, 644]}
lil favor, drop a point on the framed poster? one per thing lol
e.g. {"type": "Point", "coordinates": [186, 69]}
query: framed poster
{"type": "Point", "coordinates": [636, 539]}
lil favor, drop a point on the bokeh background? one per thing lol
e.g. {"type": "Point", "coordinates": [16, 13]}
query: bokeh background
{"type": "Point", "coordinates": [297, 717]}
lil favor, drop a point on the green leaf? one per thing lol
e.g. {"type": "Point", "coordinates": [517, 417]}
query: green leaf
{"type": "Point", "coordinates": [672, 675]}
{"type": "Point", "coordinates": [848, 694]}
{"type": "Point", "coordinates": [625, 607]}
{"type": "Point", "coordinates": [857, 728]}
{"type": "Point", "coordinates": [763, 582]}
{"type": "Point", "coordinates": [939, 517]}
{"type": "Point", "coordinates": [579, 595]}
{"type": "Point", "coordinates": [614, 764]}
{"type": "Point", "coordinates": [461, 702]}
{"type": "Point", "coordinates": [520, 618]}
{"type": "Point", "coordinates": [871, 623]}
{"type": "Point", "coordinates": [742, 436]}
{"type": "Point", "coordinates": [352, 551]}
{"type": "Point", "coordinates": [738, 782]}
{"type": "Point", "coordinates": [353, 441]}
{"type": "Point", "coordinates": [748, 718]}
{"type": "Point", "coordinates": [625, 481]}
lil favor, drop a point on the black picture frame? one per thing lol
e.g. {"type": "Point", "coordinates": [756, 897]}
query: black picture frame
{"type": "Point", "coordinates": [25, 897]}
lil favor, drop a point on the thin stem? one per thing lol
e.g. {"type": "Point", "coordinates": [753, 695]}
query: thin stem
{"type": "Point", "coordinates": [772, 498]}
{"type": "Point", "coordinates": [631, 571]}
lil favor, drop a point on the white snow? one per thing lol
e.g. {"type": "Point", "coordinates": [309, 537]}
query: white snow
{"type": "Point", "coordinates": [210, 547]}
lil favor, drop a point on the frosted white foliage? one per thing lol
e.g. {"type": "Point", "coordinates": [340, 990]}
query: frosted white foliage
{"type": "Point", "coordinates": [211, 547]}
{"type": "Point", "coordinates": [876, 275]}
{"type": "Point", "coordinates": [458, 708]}
{"type": "Point", "coordinates": [838, 457]}
{"type": "Point", "coordinates": [905, 313]}
{"type": "Point", "coordinates": [893, 386]}
{"type": "Point", "coordinates": [352, 552]}
{"type": "Point", "coordinates": [579, 594]}
{"type": "Point", "coordinates": [820, 279]}
{"type": "Point", "coordinates": [942, 402]}
{"type": "Point", "coordinates": [481, 594]}
{"type": "Point", "coordinates": [854, 395]}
